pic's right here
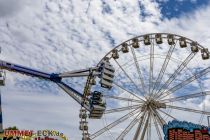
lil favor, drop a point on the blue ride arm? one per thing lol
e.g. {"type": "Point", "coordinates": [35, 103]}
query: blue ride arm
{"type": "Point", "coordinates": [52, 77]}
{"type": "Point", "coordinates": [24, 70]}
{"type": "Point", "coordinates": [77, 96]}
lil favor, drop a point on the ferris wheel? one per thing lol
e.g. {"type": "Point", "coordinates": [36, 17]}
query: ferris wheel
{"type": "Point", "coordinates": [158, 77]}
{"type": "Point", "coordinates": [138, 87]}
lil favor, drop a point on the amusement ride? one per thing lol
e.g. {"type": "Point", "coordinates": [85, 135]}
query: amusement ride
{"type": "Point", "coordinates": [146, 81]}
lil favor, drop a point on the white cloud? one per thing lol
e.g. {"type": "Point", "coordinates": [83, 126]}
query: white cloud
{"type": "Point", "coordinates": [10, 7]}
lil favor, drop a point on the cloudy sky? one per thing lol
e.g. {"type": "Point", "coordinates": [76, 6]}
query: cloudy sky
{"type": "Point", "coordinates": [62, 35]}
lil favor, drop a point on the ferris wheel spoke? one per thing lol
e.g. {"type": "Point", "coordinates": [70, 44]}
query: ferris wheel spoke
{"type": "Point", "coordinates": [167, 114]}
{"type": "Point", "coordinates": [186, 82]}
{"type": "Point", "coordinates": [138, 130]}
{"type": "Point", "coordinates": [114, 83]}
{"type": "Point", "coordinates": [138, 70]}
{"type": "Point", "coordinates": [164, 66]}
{"type": "Point", "coordinates": [188, 109]}
{"type": "Point", "coordinates": [175, 74]}
{"type": "Point", "coordinates": [145, 127]}
{"type": "Point", "coordinates": [128, 128]}
{"type": "Point", "coordinates": [113, 124]}
{"type": "Point", "coordinates": [151, 66]}
{"type": "Point", "coordinates": [185, 97]}
{"type": "Point", "coordinates": [128, 77]}
{"type": "Point", "coordinates": [149, 129]}
{"type": "Point", "coordinates": [122, 109]}
{"type": "Point", "coordinates": [122, 98]}
{"type": "Point", "coordinates": [156, 127]}
{"type": "Point", "coordinates": [161, 121]}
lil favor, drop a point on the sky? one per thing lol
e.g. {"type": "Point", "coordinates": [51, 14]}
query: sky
{"type": "Point", "coordinates": [64, 35]}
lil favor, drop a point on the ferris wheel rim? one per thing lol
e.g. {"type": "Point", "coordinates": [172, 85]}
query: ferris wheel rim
{"type": "Point", "coordinates": [162, 33]}
{"type": "Point", "coordinates": [189, 41]}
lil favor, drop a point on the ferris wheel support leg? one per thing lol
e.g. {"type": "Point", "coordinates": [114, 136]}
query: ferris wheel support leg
{"type": "Point", "coordinates": [1, 118]}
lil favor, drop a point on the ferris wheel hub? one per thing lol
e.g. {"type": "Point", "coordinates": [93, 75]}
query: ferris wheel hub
{"type": "Point", "coordinates": [152, 103]}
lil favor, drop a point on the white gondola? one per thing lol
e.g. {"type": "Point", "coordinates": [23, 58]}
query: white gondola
{"type": "Point", "coordinates": [205, 53]}
{"type": "Point", "coordinates": [82, 110]}
{"type": "Point", "coordinates": [182, 42]}
{"type": "Point", "coordinates": [2, 78]}
{"type": "Point", "coordinates": [171, 39]}
{"type": "Point", "coordinates": [194, 47]}
{"type": "Point", "coordinates": [86, 136]}
{"type": "Point", "coordinates": [83, 114]}
{"type": "Point", "coordinates": [107, 75]}
{"type": "Point", "coordinates": [158, 39]}
{"type": "Point", "coordinates": [83, 125]}
{"type": "Point", "coordinates": [115, 54]}
{"type": "Point", "coordinates": [135, 43]}
{"type": "Point", "coordinates": [92, 81]}
{"type": "Point", "coordinates": [97, 112]}
{"type": "Point", "coordinates": [125, 48]}
{"type": "Point", "coordinates": [98, 105]}
{"type": "Point", "coordinates": [147, 40]}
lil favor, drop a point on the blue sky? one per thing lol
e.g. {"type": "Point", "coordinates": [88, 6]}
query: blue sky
{"type": "Point", "coordinates": [176, 8]}
{"type": "Point", "coordinates": [63, 35]}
